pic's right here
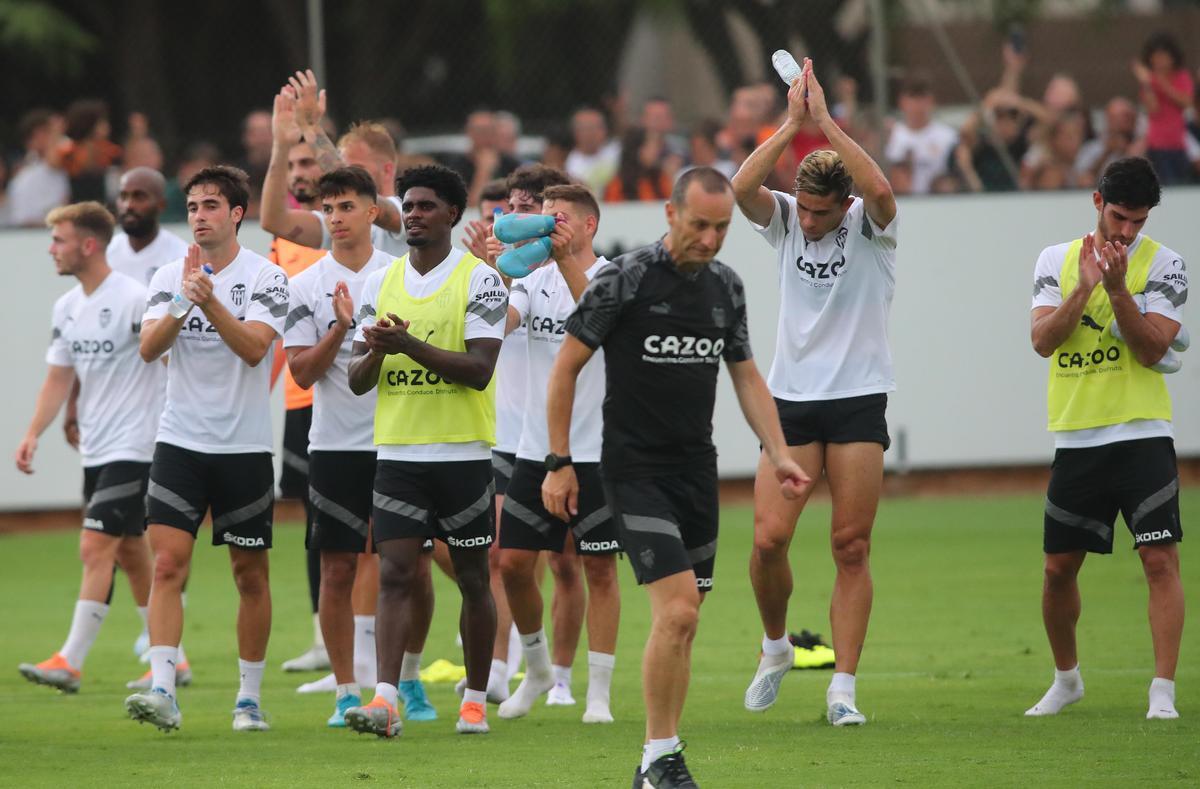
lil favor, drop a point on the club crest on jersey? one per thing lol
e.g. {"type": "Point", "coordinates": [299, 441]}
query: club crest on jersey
{"type": "Point", "coordinates": [237, 294]}
{"type": "Point", "coordinates": [105, 317]}
{"type": "Point", "coordinates": [840, 238]}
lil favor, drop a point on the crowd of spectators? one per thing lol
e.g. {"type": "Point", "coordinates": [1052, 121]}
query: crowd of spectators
{"type": "Point", "coordinates": [1010, 141]}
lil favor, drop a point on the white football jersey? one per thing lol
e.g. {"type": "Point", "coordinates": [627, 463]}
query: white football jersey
{"type": "Point", "coordinates": [217, 403]}
{"type": "Point", "coordinates": [342, 421]}
{"type": "Point", "coordinates": [120, 396]}
{"type": "Point", "coordinates": [394, 244]}
{"type": "Point", "coordinates": [165, 248]}
{"type": "Point", "coordinates": [512, 374]}
{"type": "Point", "coordinates": [544, 302]}
{"type": "Point", "coordinates": [832, 340]}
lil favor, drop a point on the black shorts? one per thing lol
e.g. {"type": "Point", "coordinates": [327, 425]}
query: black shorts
{"type": "Point", "coordinates": [668, 523]}
{"type": "Point", "coordinates": [1089, 486]}
{"type": "Point", "coordinates": [293, 479]}
{"type": "Point", "coordinates": [115, 498]}
{"type": "Point", "coordinates": [340, 489]}
{"type": "Point", "coordinates": [238, 488]}
{"type": "Point", "coordinates": [526, 525]}
{"type": "Point", "coordinates": [502, 470]}
{"type": "Point", "coordinates": [844, 421]}
{"type": "Point", "coordinates": [451, 501]}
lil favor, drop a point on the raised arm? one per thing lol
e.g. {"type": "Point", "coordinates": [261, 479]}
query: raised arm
{"type": "Point", "coordinates": [877, 195]}
{"type": "Point", "coordinates": [310, 112]}
{"type": "Point", "coordinates": [753, 198]}
{"type": "Point", "coordinates": [302, 227]}
{"type": "Point", "coordinates": [50, 399]}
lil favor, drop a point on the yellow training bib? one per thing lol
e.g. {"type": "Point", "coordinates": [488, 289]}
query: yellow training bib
{"type": "Point", "coordinates": [1094, 378]}
{"type": "Point", "coordinates": [416, 405]}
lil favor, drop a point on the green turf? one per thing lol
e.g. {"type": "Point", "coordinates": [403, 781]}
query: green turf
{"type": "Point", "coordinates": [955, 654]}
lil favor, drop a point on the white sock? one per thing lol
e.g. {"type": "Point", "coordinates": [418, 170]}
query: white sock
{"type": "Point", "coordinates": [654, 749]}
{"type": "Point", "coordinates": [144, 613]}
{"type": "Point", "coordinates": [474, 696]}
{"type": "Point", "coordinates": [389, 693]}
{"type": "Point", "coordinates": [776, 647]}
{"type": "Point", "coordinates": [515, 652]}
{"type": "Point", "coordinates": [1067, 688]}
{"type": "Point", "coordinates": [162, 667]}
{"type": "Point", "coordinates": [1162, 699]}
{"type": "Point", "coordinates": [537, 653]}
{"type": "Point", "coordinates": [349, 689]}
{"type": "Point", "coordinates": [410, 667]}
{"type": "Point", "coordinates": [318, 636]}
{"type": "Point", "coordinates": [562, 675]}
{"type": "Point", "coordinates": [498, 676]}
{"type": "Point", "coordinates": [365, 662]}
{"type": "Point", "coordinates": [252, 676]}
{"type": "Point", "coordinates": [841, 685]}
{"type": "Point", "coordinates": [600, 671]}
{"type": "Point", "coordinates": [85, 626]}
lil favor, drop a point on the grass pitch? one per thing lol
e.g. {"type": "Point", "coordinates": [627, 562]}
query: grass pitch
{"type": "Point", "coordinates": [954, 656]}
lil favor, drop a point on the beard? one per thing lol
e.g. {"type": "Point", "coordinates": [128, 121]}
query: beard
{"type": "Point", "coordinates": [138, 226]}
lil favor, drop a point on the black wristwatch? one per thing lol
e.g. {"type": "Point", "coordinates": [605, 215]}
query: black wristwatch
{"type": "Point", "coordinates": [555, 462]}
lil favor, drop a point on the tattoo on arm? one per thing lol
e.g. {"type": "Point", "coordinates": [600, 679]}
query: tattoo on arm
{"type": "Point", "coordinates": [327, 154]}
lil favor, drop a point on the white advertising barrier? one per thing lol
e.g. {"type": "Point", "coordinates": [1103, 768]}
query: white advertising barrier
{"type": "Point", "coordinates": [971, 391]}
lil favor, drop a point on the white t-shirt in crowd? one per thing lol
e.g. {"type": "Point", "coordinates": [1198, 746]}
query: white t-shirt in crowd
{"type": "Point", "coordinates": [483, 319]}
{"type": "Point", "coordinates": [395, 244]}
{"type": "Point", "coordinates": [544, 302]}
{"type": "Point", "coordinates": [34, 190]}
{"type": "Point", "coordinates": [120, 396]}
{"type": "Point", "coordinates": [512, 373]}
{"type": "Point", "coordinates": [216, 403]}
{"type": "Point", "coordinates": [832, 341]}
{"type": "Point", "coordinates": [928, 150]}
{"type": "Point", "coordinates": [595, 170]}
{"type": "Point", "coordinates": [165, 248]}
{"type": "Point", "coordinates": [341, 421]}
{"type": "Point", "coordinates": [1166, 291]}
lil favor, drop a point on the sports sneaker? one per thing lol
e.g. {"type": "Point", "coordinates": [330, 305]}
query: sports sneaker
{"type": "Point", "coordinates": [416, 703]}
{"type": "Point", "coordinates": [560, 696]}
{"type": "Point", "coordinates": [183, 678]}
{"type": "Point", "coordinates": [155, 706]}
{"type": "Point", "coordinates": [378, 718]}
{"type": "Point", "coordinates": [764, 688]}
{"type": "Point", "coordinates": [669, 772]}
{"type": "Point", "coordinates": [472, 718]}
{"type": "Point", "coordinates": [248, 716]}
{"type": "Point", "coordinates": [326, 684]}
{"type": "Point", "coordinates": [843, 713]}
{"type": "Point", "coordinates": [338, 719]}
{"type": "Point", "coordinates": [315, 659]}
{"type": "Point", "coordinates": [55, 671]}
{"type": "Point", "coordinates": [810, 651]}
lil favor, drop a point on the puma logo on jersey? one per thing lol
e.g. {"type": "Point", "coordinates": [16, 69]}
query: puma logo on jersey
{"type": "Point", "coordinates": [1087, 321]}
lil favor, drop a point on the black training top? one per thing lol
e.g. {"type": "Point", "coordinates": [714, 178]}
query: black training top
{"type": "Point", "coordinates": [664, 334]}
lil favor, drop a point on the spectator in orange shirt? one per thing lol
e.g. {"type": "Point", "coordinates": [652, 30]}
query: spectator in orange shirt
{"type": "Point", "coordinates": [643, 172]}
{"type": "Point", "coordinates": [88, 152]}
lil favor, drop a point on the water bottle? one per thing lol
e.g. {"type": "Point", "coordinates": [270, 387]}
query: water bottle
{"type": "Point", "coordinates": [786, 66]}
{"type": "Point", "coordinates": [180, 304]}
{"type": "Point", "coordinates": [521, 261]}
{"type": "Point", "coordinates": [512, 228]}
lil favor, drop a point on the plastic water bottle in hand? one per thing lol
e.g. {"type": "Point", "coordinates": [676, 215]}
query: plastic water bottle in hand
{"type": "Point", "coordinates": [512, 228]}
{"type": "Point", "coordinates": [180, 304]}
{"type": "Point", "coordinates": [786, 66]}
{"type": "Point", "coordinates": [521, 261]}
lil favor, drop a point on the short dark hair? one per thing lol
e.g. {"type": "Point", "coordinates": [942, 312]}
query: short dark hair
{"type": "Point", "coordinates": [83, 116]}
{"type": "Point", "coordinates": [350, 179]}
{"type": "Point", "coordinates": [1130, 182]}
{"type": "Point", "coordinates": [231, 182]}
{"type": "Point", "coordinates": [578, 194]}
{"type": "Point", "coordinates": [711, 181]}
{"type": "Point", "coordinates": [33, 121]}
{"type": "Point", "coordinates": [445, 183]}
{"type": "Point", "coordinates": [1162, 42]}
{"type": "Point", "coordinates": [495, 190]}
{"type": "Point", "coordinates": [917, 83]}
{"type": "Point", "coordinates": [534, 178]}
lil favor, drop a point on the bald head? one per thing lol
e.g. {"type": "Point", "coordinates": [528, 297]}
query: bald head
{"type": "Point", "coordinates": [142, 198]}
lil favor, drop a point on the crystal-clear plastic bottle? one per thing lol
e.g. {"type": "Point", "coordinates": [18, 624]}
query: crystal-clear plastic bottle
{"type": "Point", "coordinates": [786, 66]}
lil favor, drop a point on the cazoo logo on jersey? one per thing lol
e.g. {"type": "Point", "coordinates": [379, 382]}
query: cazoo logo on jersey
{"type": "Point", "coordinates": [673, 349]}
